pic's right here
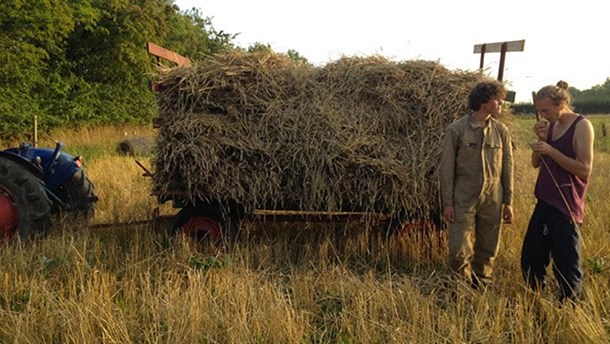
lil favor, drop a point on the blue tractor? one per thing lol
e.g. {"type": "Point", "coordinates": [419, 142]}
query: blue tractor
{"type": "Point", "coordinates": [38, 183]}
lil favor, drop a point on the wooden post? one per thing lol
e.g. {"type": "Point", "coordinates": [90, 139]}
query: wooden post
{"type": "Point", "coordinates": [538, 118]}
{"type": "Point", "coordinates": [502, 60]}
{"type": "Point", "coordinates": [604, 130]}
{"type": "Point", "coordinates": [35, 138]}
{"type": "Point", "coordinates": [160, 52]}
{"type": "Point", "coordinates": [499, 47]}
{"type": "Point", "coordinates": [481, 63]}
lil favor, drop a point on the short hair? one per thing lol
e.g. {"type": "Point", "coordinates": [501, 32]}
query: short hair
{"type": "Point", "coordinates": [558, 93]}
{"type": "Point", "coordinates": [483, 91]}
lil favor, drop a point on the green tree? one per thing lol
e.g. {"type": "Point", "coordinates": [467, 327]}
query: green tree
{"type": "Point", "coordinates": [259, 47]}
{"type": "Point", "coordinates": [594, 100]}
{"type": "Point", "coordinates": [85, 62]}
{"type": "Point", "coordinates": [32, 35]}
{"type": "Point", "coordinates": [295, 56]}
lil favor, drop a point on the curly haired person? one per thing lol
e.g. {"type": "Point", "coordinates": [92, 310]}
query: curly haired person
{"type": "Point", "coordinates": [476, 176]}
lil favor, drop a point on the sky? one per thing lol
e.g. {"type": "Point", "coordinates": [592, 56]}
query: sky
{"type": "Point", "coordinates": [564, 40]}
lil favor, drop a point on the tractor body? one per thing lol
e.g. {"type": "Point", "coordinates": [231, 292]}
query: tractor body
{"type": "Point", "coordinates": [36, 183]}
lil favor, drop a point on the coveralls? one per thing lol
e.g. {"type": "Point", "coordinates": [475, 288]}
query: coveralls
{"type": "Point", "coordinates": [476, 179]}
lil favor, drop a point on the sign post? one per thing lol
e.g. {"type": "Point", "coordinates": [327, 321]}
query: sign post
{"type": "Point", "coordinates": [502, 48]}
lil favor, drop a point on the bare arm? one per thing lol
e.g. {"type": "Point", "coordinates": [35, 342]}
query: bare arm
{"type": "Point", "coordinates": [583, 145]}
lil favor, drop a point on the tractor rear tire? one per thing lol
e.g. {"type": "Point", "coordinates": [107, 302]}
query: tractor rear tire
{"type": "Point", "coordinates": [78, 193]}
{"type": "Point", "coordinates": [28, 207]}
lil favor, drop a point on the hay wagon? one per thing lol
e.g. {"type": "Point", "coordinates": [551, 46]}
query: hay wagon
{"type": "Point", "coordinates": [258, 134]}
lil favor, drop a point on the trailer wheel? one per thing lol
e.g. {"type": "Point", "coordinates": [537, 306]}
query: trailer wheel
{"type": "Point", "coordinates": [198, 223]}
{"type": "Point", "coordinates": [78, 193]}
{"type": "Point", "coordinates": [423, 231]}
{"type": "Point", "coordinates": [24, 205]}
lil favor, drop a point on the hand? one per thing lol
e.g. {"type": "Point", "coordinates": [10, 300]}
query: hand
{"type": "Point", "coordinates": [540, 128]}
{"type": "Point", "coordinates": [449, 214]}
{"type": "Point", "coordinates": [541, 148]}
{"type": "Point", "coordinates": [507, 214]}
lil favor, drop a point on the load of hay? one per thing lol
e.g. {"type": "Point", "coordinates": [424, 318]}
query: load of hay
{"type": "Point", "coordinates": [360, 133]}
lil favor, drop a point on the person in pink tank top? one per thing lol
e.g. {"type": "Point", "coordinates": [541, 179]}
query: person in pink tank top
{"type": "Point", "coordinates": [564, 157]}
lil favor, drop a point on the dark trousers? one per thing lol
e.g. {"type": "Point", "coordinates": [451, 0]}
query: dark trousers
{"type": "Point", "coordinates": [551, 235]}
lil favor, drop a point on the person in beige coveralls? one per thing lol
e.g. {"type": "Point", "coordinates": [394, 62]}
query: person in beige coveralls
{"type": "Point", "coordinates": [477, 183]}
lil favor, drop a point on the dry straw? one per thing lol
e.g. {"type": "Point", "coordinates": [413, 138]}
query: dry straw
{"type": "Point", "coordinates": [360, 133]}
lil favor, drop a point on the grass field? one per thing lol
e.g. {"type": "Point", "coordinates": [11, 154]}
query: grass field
{"type": "Point", "coordinates": [289, 282]}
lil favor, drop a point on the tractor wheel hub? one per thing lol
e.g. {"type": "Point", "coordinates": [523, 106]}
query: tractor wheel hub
{"type": "Point", "coordinates": [200, 227]}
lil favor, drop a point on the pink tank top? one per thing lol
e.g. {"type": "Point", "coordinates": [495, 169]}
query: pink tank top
{"type": "Point", "coordinates": [571, 200]}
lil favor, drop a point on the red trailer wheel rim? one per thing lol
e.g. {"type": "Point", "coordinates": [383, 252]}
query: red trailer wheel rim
{"type": "Point", "coordinates": [9, 215]}
{"type": "Point", "coordinates": [199, 227]}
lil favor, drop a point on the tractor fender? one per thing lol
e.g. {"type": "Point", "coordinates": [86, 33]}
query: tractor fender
{"type": "Point", "coordinates": [57, 166]}
{"type": "Point", "coordinates": [36, 171]}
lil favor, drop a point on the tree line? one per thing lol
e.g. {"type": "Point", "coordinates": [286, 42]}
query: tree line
{"type": "Point", "coordinates": [595, 100]}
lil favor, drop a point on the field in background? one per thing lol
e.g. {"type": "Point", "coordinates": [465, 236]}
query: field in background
{"type": "Point", "coordinates": [283, 282]}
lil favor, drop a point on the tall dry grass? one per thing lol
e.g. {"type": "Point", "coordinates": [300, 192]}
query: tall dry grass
{"type": "Point", "coordinates": [281, 282]}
